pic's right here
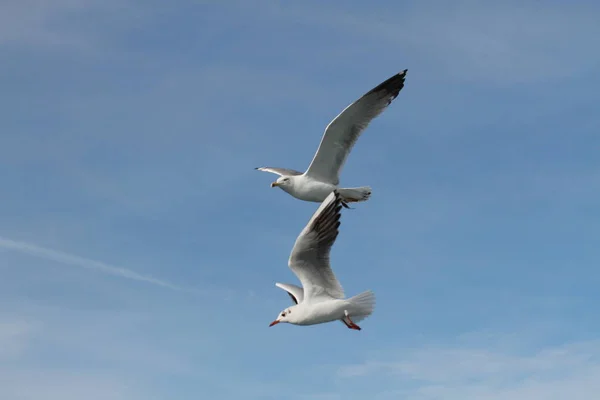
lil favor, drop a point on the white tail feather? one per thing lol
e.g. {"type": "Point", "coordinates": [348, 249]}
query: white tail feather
{"type": "Point", "coordinates": [361, 305]}
{"type": "Point", "coordinates": [353, 195]}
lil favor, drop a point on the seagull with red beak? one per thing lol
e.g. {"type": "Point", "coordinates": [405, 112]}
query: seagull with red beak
{"type": "Point", "coordinates": [321, 297]}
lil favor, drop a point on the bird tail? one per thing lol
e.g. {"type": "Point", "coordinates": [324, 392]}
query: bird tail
{"type": "Point", "coordinates": [361, 305]}
{"type": "Point", "coordinates": [353, 195]}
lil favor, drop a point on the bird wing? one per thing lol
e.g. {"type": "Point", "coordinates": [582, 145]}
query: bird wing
{"type": "Point", "coordinates": [279, 171]}
{"type": "Point", "coordinates": [295, 292]}
{"type": "Point", "coordinates": [309, 258]}
{"type": "Point", "coordinates": [344, 130]}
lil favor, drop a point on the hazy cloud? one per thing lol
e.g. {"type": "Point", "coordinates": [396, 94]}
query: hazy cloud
{"type": "Point", "coordinates": [570, 370]}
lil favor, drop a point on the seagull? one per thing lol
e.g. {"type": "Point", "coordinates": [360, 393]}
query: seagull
{"type": "Point", "coordinates": [322, 175]}
{"type": "Point", "coordinates": [321, 297]}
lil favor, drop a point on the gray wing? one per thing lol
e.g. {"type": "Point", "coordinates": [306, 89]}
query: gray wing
{"type": "Point", "coordinates": [279, 171]}
{"type": "Point", "coordinates": [309, 259]}
{"type": "Point", "coordinates": [295, 292]}
{"type": "Point", "coordinates": [342, 133]}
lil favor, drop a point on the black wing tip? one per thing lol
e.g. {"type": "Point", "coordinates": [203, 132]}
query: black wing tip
{"type": "Point", "coordinates": [337, 205]}
{"type": "Point", "coordinates": [332, 211]}
{"type": "Point", "coordinates": [338, 200]}
{"type": "Point", "coordinates": [336, 194]}
{"type": "Point", "coordinates": [392, 86]}
{"type": "Point", "coordinates": [395, 84]}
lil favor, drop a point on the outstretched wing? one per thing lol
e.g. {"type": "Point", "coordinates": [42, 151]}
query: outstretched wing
{"type": "Point", "coordinates": [279, 171]}
{"type": "Point", "coordinates": [295, 292]}
{"type": "Point", "coordinates": [309, 258]}
{"type": "Point", "coordinates": [342, 133]}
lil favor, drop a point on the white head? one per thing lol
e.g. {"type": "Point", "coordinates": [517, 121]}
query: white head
{"type": "Point", "coordinates": [286, 315]}
{"type": "Point", "coordinates": [284, 182]}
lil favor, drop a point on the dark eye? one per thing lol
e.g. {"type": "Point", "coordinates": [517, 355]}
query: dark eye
{"type": "Point", "coordinates": [283, 314]}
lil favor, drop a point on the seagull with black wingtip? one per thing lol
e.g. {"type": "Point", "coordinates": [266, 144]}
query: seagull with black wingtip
{"type": "Point", "coordinates": [323, 173]}
{"type": "Point", "coordinates": [321, 297]}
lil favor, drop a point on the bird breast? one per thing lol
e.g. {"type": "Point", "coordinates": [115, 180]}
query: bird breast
{"type": "Point", "coordinates": [310, 190]}
{"type": "Point", "coordinates": [321, 312]}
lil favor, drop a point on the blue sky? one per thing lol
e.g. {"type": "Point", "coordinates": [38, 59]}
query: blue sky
{"type": "Point", "coordinates": [139, 248]}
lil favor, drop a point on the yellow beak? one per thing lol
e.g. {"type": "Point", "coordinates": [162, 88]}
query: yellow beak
{"type": "Point", "coordinates": [274, 184]}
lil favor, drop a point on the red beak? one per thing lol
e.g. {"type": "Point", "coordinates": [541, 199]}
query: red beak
{"type": "Point", "coordinates": [273, 323]}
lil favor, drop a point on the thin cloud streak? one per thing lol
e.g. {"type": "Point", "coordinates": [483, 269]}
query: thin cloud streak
{"type": "Point", "coordinates": [70, 259]}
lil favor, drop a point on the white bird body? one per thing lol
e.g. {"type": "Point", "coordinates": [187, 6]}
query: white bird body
{"type": "Point", "coordinates": [323, 174]}
{"type": "Point", "coordinates": [308, 189]}
{"type": "Point", "coordinates": [326, 310]}
{"type": "Point", "coordinates": [321, 297]}
{"type": "Point", "coordinates": [311, 313]}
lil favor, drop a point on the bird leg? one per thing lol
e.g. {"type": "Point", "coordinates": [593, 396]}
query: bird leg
{"type": "Point", "coordinates": [349, 322]}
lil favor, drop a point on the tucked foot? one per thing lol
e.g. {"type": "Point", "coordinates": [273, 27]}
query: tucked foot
{"type": "Point", "coordinates": [349, 323]}
{"type": "Point", "coordinates": [354, 195]}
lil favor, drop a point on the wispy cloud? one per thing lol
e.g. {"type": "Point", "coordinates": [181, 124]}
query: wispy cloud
{"type": "Point", "coordinates": [77, 261]}
{"type": "Point", "coordinates": [555, 372]}
{"type": "Point", "coordinates": [56, 384]}
{"type": "Point", "coordinates": [13, 334]}
{"type": "Point", "coordinates": [21, 338]}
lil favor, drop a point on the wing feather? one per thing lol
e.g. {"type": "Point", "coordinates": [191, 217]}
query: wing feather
{"type": "Point", "coordinates": [344, 130]}
{"type": "Point", "coordinates": [279, 171]}
{"type": "Point", "coordinates": [295, 292]}
{"type": "Point", "coordinates": [309, 258]}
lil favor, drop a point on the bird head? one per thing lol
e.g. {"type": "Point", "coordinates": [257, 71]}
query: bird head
{"type": "Point", "coordinates": [284, 316]}
{"type": "Point", "coordinates": [282, 181]}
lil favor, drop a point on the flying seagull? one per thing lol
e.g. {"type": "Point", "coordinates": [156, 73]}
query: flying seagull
{"type": "Point", "coordinates": [322, 175]}
{"type": "Point", "coordinates": [321, 297]}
